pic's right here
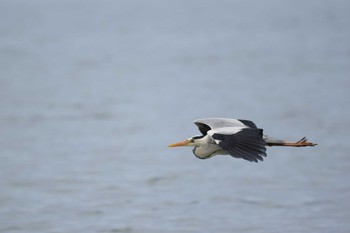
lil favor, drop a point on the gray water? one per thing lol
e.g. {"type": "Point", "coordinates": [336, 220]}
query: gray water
{"type": "Point", "coordinates": [92, 92]}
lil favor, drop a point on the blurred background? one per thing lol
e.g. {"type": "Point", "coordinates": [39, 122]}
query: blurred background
{"type": "Point", "coordinates": [92, 92]}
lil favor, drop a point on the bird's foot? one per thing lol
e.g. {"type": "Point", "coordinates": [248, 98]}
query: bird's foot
{"type": "Point", "coordinates": [303, 142]}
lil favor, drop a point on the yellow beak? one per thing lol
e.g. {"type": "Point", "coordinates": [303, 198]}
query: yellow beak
{"type": "Point", "coordinates": [183, 143]}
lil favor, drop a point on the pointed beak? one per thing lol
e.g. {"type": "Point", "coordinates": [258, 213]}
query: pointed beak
{"type": "Point", "coordinates": [183, 143]}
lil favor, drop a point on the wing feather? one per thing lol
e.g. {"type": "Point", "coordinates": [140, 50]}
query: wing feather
{"type": "Point", "coordinates": [246, 143]}
{"type": "Point", "coordinates": [206, 124]}
{"type": "Point", "coordinates": [203, 128]}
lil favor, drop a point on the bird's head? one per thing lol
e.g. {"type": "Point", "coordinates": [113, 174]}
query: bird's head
{"type": "Point", "coordinates": [193, 141]}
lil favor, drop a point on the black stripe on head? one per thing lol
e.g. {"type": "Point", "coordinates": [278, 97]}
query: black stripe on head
{"type": "Point", "coordinates": [198, 137]}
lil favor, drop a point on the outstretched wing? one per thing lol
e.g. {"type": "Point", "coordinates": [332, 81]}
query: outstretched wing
{"type": "Point", "coordinates": [203, 128]}
{"type": "Point", "coordinates": [246, 143]}
{"type": "Point", "coordinates": [206, 124]}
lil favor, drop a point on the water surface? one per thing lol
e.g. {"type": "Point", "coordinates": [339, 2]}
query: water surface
{"type": "Point", "coordinates": [91, 92]}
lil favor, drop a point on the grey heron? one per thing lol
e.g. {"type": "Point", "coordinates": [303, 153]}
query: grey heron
{"type": "Point", "coordinates": [235, 137]}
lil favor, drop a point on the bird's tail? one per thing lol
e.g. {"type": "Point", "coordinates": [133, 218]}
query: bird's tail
{"type": "Point", "coordinates": [275, 142]}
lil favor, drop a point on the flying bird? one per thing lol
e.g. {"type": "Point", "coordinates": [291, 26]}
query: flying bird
{"type": "Point", "coordinates": [235, 137]}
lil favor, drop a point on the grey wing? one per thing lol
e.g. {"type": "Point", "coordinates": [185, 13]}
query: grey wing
{"type": "Point", "coordinates": [246, 143]}
{"type": "Point", "coordinates": [206, 124]}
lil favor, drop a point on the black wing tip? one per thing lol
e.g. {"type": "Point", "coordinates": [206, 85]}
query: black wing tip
{"type": "Point", "coordinates": [247, 144]}
{"type": "Point", "coordinates": [255, 159]}
{"type": "Point", "coordinates": [203, 128]}
{"type": "Point", "coordinates": [248, 123]}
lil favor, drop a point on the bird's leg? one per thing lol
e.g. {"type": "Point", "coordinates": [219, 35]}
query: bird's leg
{"type": "Point", "coordinates": [301, 143]}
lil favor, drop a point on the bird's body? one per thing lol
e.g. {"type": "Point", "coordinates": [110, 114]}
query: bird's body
{"type": "Point", "coordinates": [235, 137]}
